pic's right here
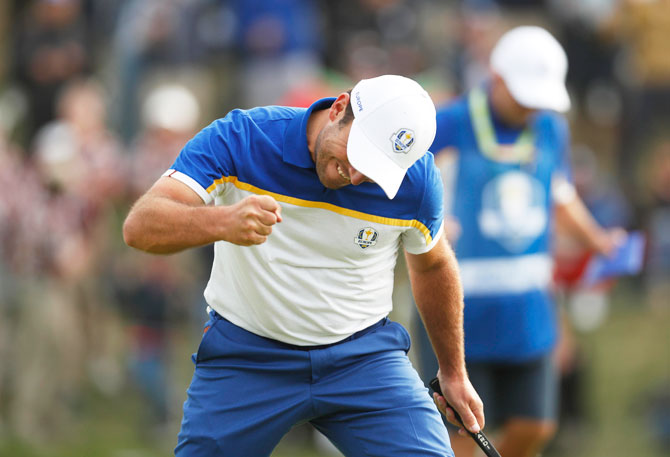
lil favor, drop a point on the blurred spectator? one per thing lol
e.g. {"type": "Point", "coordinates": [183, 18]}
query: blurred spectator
{"type": "Point", "coordinates": [50, 47]}
{"type": "Point", "coordinates": [170, 116]}
{"type": "Point", "coordinates": [153, 291]}
{"type": "Point", "coordinates": [163, 36]}
{"type": "Point", "coordinates": [279, 46]}
{"type": "Point", "coordinates": [12, 176]}
{"type": "Point", "coordinates": [592, 75]}
{"type": "Point", "coordinates": [78, 151]}
{"type": "Point", "coordinates": [303, 95]}
{"type": "Point", "coordinates": [599, 190]}
{"type": "Point", "coordinates": [373, 37]}
{"type": "Point", "coordinates": [63, 328]}
{"type": "Point", "coordinates": [641, 28]}
{"type": "Point", "coordinates": [657, 177]}
{"type": "Point", "coordinates": [480, 26]}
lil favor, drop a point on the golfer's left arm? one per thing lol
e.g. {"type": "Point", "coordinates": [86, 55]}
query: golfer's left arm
{"type": "Point", "coordinates": [438, 294]}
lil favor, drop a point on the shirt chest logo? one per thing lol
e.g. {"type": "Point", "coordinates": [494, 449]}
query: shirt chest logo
{"type": "Point", "coordinates": [366, 237]}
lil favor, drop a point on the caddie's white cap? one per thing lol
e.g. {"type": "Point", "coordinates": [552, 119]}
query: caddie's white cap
{"type": "Point", "coordinates": [533, 65]}
{"type": "Point", "coordinates": [393, 127]}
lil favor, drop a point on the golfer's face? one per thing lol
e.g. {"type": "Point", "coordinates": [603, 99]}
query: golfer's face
{"type": "Point", "coordinates": [332, 164]}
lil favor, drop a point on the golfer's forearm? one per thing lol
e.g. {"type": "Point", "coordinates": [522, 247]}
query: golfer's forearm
{"type": "Point", "coordinates": [161, 226]}
{"type": "Point", "coordinates": [439, 298]}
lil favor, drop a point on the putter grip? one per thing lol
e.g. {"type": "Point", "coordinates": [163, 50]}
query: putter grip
{"type": "Point", "coordinates": [479, 437]}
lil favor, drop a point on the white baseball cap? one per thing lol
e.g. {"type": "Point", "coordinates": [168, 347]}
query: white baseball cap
{"type": "Point", "coordinates": [393, 127]}
{"type": "Point", "coordinates": [533, 65]}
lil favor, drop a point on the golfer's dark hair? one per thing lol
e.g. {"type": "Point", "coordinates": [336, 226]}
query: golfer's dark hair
{"type": "Point", "coordinates": [348, 113]}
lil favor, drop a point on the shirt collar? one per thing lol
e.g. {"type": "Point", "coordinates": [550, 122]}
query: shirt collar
{"type": "Point", "coordinates": [296, 151]}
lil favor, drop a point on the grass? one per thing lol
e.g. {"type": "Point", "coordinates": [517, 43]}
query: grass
{"type": "Point", "coordinates": [629, 361]}
{"type": "Point", "coordinates": [105, 428]}
{"type": "Point", "coordinates": [628, 358]}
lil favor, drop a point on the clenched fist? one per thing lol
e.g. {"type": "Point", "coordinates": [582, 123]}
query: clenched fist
{"type": "Point", "coordinates": [250, 220]}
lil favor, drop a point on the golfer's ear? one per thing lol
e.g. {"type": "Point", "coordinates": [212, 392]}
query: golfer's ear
{"type": "Point", "coordinates": [339, 106]}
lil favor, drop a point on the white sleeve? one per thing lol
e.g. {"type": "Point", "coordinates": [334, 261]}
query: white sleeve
{"type": "Point", "coordinates": [562, 190]}
{"type": "Point", "coordinates": [190, 182]}
{"type": "Point", "coordinates": [416, 241]}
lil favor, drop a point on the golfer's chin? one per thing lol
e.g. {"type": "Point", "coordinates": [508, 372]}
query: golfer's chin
{"type": "Point", "coordinates": [335, 186]}
{"type": "Point", "coordinates": [334, 182]}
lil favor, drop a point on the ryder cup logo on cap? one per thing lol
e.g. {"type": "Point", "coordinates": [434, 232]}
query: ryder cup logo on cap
{"type": "Point", "coordinates": [393, 127]}
{"type": "Point", "coordinates": [533, 65]}
{"type": "Point", "coordinates": [402, 140]}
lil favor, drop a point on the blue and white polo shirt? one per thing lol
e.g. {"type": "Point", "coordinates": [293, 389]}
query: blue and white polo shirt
{"type": "Point", "coordinates": [326, 271]}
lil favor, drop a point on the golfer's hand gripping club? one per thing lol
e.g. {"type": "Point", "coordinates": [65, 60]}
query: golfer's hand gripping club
{"type": "Point", "coordinates": [479, 437]}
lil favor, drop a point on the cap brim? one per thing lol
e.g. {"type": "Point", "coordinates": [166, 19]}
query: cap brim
{"type": "Point", "coordinates": [540, 96]}
{"type": "Point", "coordinates": [366, 158]}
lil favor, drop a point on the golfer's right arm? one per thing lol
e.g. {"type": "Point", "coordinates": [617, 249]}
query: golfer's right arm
{"type": "Point", "coordinates": [172, 217]}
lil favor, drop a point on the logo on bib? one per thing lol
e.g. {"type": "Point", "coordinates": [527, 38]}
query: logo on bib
{"type": "Point", "coordinates": [366, 237]}
{"type": "Point", "coordinates": [513, 210]}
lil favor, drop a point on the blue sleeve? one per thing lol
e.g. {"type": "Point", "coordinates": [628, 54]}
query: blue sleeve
{"type": "Point", "coordinates": [431, 211]}
{"type": "Point", "coordinates": [447, 127]}
{"type": "Point", "coordinates": [209, 156]}
{"type": "Point", "coordinates": [430, 215]}
{"type": "Point", "coordinates": [562, 132]}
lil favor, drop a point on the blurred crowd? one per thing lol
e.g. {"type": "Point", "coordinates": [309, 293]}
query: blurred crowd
{"type": "Point", "coordinates": [97, 97]}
